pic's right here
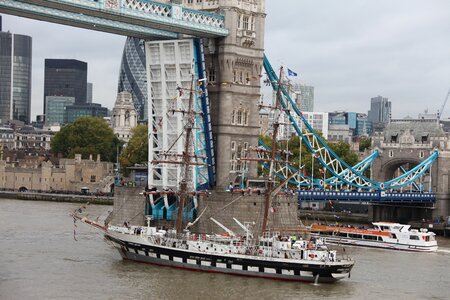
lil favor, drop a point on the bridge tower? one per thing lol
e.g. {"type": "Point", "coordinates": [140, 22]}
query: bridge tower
{"type": "Point", "coordinates": [234, 67]}
{"type": "Point", "coordinates": [408, 142]}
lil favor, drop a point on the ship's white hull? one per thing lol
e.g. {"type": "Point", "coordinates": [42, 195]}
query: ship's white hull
{"type": "Point", "coordinates": [136, 249]}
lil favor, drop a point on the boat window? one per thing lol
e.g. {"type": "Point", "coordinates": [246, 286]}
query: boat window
{"type": "Point", "coordinates": [380, 238]}
{"type": "Point", "coordinates": [413, 237]}
{"type": "Point", "coordinates": [393, 236]}
{"type": "Point", "coordinates": [342, 234]}
{"type": "Point", "coordinates": [355, 236]}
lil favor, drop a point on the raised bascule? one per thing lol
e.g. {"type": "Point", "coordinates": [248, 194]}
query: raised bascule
{"type": "Point", "coordinates": [213, 50]}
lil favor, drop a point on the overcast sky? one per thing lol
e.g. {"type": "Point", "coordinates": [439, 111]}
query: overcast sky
{"type": "Point", "coordinates": [349, 50]}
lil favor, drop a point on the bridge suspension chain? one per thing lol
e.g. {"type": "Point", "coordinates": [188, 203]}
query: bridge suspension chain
{"type": "Point", "coordinates": [340, 170]}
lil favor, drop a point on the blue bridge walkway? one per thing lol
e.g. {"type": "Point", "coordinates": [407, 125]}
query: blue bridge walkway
{"type": "Point", "coordinates": [377, 197]}
{"type": "Point", "coordinates": [137, 18]}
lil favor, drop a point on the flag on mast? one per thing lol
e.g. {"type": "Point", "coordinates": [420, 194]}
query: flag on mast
{"type": "Point", "coordinates": [291, 73]}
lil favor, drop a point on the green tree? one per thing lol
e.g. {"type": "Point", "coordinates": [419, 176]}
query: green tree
{"type": "Point", "coordinates": [342, 149]}
{"type": "Point", "coordinates": [365, 143]}
{"type": "Point", "coordinates": [136, 151]}
{"type": "Point", "coordinates": [86, 136]}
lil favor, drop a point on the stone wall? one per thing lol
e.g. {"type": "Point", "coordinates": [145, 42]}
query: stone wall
{"type": "Point", "coordinates": [129, 206]}
{"type": "Point", "coordinates": [69, 175]}
{"type": "Point", "coordinates": [224, 206]}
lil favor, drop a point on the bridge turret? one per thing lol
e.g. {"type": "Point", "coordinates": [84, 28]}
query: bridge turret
{"type": "Point", "coordinates": [234, 67]}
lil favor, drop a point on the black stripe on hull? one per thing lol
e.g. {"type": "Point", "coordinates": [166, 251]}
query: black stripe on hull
{"type": "Point", "coordinates": [229, 265]}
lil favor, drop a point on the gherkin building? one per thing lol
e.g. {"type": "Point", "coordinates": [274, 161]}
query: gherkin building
{"type": "Point", "coordinates": [133, 75]}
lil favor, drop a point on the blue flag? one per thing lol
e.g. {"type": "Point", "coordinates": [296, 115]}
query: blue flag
{"type": "Point", "coordinates": [291, 73]}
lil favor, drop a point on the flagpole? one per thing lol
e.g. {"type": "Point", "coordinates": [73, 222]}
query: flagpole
{"type": "Point", "coordinates": [324, 170]}
{"type": "Point", "coordinates": [312, 171]}
{"type": "Point", "coordinates": [287, 163]}
{"type": "Point", "coordinates": [300, 162]}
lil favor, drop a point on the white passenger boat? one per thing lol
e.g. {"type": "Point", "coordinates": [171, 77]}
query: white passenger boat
{"type": "Point", "coordinates": [385, 235]}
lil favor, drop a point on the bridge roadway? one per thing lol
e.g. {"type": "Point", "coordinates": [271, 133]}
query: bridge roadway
{"type": "Point", "coordinates": [377, 197]}
{"type": "Point", "coordinates": [138, 18]}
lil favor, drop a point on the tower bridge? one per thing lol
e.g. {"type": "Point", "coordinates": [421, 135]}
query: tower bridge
{"type": "Point", "coordinates": [225, 40]}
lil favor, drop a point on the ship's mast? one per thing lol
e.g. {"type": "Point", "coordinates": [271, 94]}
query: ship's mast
{"type": "Point", "coordinates": [270, 182]}
{"type": "Point", "coordinates": [186, 161]}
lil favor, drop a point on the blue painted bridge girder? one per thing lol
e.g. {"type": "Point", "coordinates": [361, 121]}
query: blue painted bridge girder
{"type": "Point", "coordinates": [376, 197]}
{"type": "Point", "coordinates": [137, 18]}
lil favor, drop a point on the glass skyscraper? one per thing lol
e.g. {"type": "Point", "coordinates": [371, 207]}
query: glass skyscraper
{"type": "Point", "coordinates": [67, 78]}
{"type": "Point", "coordinates": [56, 109]}
{"type": "Point", "coordinates": [75, 111]}
{"type": "Point", "coordinates": [15, 77]}
{"type": "Point", "coordinates": [305, 96]}
{"type": "Point", "coordinates": [380, 110]}
{"type": "Point", "coordinates": [90, 88]}
{"type": "Point", "coordinates": [133, 75]}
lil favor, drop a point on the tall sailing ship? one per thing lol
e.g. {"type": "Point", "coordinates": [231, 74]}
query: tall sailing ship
{"type": "Point", "coordinates": [267, 255]}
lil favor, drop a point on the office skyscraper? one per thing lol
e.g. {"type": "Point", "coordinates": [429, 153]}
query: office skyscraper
{"type": "Point", "coordinates": [380, 110]}
{"type": "Point", "coordinates": [15, 77]}
{"type": "Point", "coordinates": [67, 78]}
{"type": "Point", "coordinates": [56, 109]}
{"type": "Point", "coordinates": [89, 94]}
{"type": "Point", "coordinates": [133, 75]}
{"type": "Point", "coordinates": [305, 96]}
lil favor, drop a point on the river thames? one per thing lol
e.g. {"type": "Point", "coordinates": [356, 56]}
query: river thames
{"type": "Point", "coordinates": [40, 259]}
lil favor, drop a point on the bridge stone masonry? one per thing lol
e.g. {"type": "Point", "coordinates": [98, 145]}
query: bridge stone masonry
{"type": "Point", "coordinates": [407, 143]}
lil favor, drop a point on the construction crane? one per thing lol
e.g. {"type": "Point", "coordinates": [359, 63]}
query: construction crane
{"type": "Point", "coordinates": [443, 105]}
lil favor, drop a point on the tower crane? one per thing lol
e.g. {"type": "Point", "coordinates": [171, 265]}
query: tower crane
{"type": "Point", "coordinates": [443, 105]}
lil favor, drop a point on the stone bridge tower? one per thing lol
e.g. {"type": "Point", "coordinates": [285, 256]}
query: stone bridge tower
{"type": "Point", "coordinates": [409, 142]}
{"type": "Point", "coordinates": [234, 67]}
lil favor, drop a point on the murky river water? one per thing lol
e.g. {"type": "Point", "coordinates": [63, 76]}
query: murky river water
{"type": "Point", "coordinates": [39, 259]}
